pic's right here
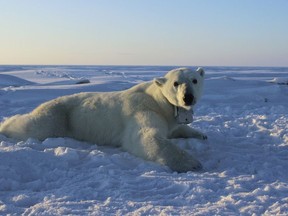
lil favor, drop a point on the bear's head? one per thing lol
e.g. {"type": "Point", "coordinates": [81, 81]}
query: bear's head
{"type": "Point", "coordinates": [182, 87]}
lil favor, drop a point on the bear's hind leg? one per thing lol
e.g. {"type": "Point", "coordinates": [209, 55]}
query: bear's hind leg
{"type": "Point", "coordinates": [47, 120]}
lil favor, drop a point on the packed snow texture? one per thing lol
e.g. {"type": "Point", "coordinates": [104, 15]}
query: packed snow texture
{"type": "Point", "coordinates": [243, 111]}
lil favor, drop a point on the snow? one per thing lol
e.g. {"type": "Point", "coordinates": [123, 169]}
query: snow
{"type": "Point", "coordinates": [243, 111]}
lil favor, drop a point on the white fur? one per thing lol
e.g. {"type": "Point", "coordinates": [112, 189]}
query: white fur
{"type": "Point", "coordinates": [141, 119]}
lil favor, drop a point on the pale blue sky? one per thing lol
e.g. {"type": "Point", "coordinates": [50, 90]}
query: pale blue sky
{"type": "Point", "coordinates": [145, 32]}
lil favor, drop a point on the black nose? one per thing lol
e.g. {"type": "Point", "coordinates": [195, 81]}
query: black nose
{"type": "Point", "coordinates": [188, 99]}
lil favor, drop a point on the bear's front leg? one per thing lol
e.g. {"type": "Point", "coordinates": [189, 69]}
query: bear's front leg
{"type": "Point", "coordinates": [184, 131]}
{"type": "Point", "coordinates": [146, 137]}
{"type": "Point", "coordinates": [178, 160]}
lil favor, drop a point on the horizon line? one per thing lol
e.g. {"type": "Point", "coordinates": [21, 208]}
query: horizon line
{"type": "Point", "coordinates": [144, 65]}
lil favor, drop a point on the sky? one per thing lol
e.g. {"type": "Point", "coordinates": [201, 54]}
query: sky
{"type": "Point", "coordinates": [144, 32]}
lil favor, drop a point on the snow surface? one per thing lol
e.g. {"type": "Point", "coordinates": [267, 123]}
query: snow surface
{"type": "Point", "coordinates": [243, 111]}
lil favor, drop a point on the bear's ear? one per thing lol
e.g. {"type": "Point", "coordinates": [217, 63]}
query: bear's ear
{"type": "Point", "coordinates": [200, 71]}
{"type": "Point", "coordinates": [160, 81]}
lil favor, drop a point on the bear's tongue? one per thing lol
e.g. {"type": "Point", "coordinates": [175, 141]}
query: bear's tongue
{"type": "Point", "coordinates": [183, 116]}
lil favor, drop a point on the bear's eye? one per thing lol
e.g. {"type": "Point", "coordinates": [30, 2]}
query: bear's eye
{"type": "Point", "coordinates": [195, 81]}
{"type": "Point", "coordinates": [176, 84]}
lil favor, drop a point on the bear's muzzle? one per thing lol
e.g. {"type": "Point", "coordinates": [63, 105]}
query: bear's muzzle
{"type": "Point", "coordinates": [188, 99]}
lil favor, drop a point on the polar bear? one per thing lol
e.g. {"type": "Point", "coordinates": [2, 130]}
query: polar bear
{"type": "Point", "coordinates": [141, 120]}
